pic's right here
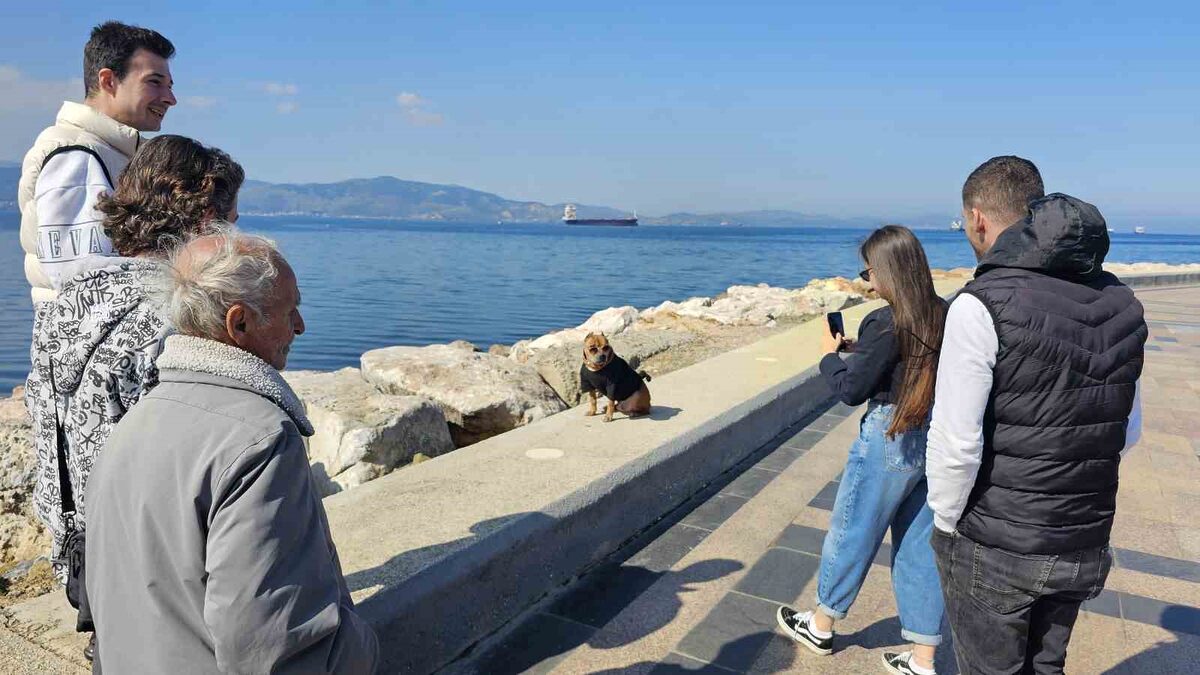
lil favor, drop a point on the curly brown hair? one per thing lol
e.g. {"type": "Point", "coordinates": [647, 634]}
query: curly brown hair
{"type": "Point", "coordinates": [173, 189]}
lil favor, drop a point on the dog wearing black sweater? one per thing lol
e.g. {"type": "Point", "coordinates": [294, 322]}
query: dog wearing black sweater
{"type": "Point", "coordinates": [603, 372]}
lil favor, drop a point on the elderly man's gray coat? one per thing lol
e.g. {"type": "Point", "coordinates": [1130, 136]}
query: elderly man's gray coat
{"type": "Point", "coordinates": [208, 549]}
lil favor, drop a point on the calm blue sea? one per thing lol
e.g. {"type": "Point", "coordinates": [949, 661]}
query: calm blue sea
{"type": "Point", "coordinates": [369, 284]}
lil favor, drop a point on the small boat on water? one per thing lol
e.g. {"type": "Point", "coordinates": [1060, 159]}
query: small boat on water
{"type": "Point", "coordinates": [1139, 230]}
{"type": "Point", "coordinates": [570, 218]}
{"type": "Point", "coordinates": [956, 226]}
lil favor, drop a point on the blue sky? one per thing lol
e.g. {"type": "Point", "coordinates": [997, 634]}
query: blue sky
{"type": "Point", "coordinates": [854, 109]}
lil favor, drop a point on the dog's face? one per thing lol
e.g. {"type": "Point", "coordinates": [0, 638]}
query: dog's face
{"type": "Point", "coordinates": [596, 350]}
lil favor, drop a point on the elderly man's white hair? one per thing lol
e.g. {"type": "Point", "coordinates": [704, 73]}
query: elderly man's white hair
{"type": "Point", "coordinates": [213, 272]}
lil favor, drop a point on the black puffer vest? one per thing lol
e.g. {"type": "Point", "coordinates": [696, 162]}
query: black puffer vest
{"type": "Point", "coordinates": [1071, 348]}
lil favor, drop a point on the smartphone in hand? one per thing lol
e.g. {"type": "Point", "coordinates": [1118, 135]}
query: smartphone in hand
{"type": "Point", "coordinates": [836, 325]}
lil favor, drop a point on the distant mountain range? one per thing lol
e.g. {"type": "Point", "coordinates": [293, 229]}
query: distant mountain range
{"type": "Point", "coordinates": [387, 197]}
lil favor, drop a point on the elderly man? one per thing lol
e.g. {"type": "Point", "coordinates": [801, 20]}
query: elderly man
{"type": "Point", "coordinates": [208, 549]}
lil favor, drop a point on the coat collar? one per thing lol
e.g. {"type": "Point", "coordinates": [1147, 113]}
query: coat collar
{"type": "Point", "coordinates": [123, 138]}
{"type": "Point", "coordinates": [201, 355]}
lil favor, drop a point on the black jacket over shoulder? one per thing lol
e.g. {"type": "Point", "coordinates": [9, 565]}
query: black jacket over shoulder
{"type": "Point", "coordinates": [617, 381]}
{"type": "Point", "coordinates": [1071, 348]}
{"type": "Point", "coordinates": [873, 371]}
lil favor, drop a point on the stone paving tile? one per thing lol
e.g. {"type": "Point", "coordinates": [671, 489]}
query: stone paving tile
{"type": "Point", "coordinates": [779, 575]}
{"type": "Point", "coordinates": [802, 538]}
{"type": "Point", "coordinates": [733, 634]}
{"type": "Point", "coordinates": [535, 647]}
{"type": "Point", "coordinates": [826, 497]}
{"type": "Point", "coordinates": [713, 512]}
{"type": "Point", "coordinates": [676, 663]}
{"type": "Point", "coordinates": [826, 423]}
{"type": "Point", "coordinates": [1162, 566]}
{"type": "Point", "coordinates": [1107, 603]}
{"type": "Point", "coordinates": [779, 460]}
{"type": "Point", "coordinates": [804, 439]}
{"type": "Point", "coordinates": [750, 483]}
{"type": "Point", "coordinates": [1170, 616]}
{"type": "Point", "coordinates": [669, 548]}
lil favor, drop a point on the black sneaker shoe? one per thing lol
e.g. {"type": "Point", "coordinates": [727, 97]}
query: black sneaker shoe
{"type": "Point", "coordinates": [796, 625]}
{"type": "Point", "coordinates": [899, 663]}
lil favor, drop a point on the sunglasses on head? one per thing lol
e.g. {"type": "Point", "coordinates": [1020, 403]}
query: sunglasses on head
{"type": "Point", "coordinates": [865, 275]}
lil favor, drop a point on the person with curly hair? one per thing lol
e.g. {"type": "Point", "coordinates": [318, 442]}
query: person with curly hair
{"type": "Point", "coordinates": [95, 350]}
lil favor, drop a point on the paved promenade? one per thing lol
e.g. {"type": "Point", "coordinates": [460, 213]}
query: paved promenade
{"type": "Point", "coordinates": [698, 594]}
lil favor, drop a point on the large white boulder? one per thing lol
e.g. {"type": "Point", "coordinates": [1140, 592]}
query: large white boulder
{"type": "Point", "coordinates": [611, 321]}
{"type": "Point", "coordinates": [362, 433]}
{"type": "Point", "coordinates": [559, 366]}
{"type": "Point", "coordinates": [481, 394]}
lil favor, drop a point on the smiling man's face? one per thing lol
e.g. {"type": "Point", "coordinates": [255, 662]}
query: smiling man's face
{"type": "Point", "coordinates": [143, 96]}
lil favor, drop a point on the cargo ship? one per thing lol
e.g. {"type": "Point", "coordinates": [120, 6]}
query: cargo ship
{"type": "Point", "coordinates": [570, 218]}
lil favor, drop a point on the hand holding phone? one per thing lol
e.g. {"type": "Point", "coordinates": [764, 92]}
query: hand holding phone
{"type": "Point", "coordinates": [837, 327]}
{"type": "Point", "coordinates": [834, 340]}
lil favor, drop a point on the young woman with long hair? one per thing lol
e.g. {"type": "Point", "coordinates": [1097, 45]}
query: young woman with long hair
{"type": "Point", "coordinates": [893, 367]}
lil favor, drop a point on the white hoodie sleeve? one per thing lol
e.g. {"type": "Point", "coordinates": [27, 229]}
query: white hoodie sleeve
{"type": "Point", "coordinates": [964, 385]}
{"type": "Point", "coordinates": [69, 226]}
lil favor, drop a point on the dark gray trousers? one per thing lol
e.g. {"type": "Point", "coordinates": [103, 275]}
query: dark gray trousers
{"type": "Point", "coordinates": [1013, 612]}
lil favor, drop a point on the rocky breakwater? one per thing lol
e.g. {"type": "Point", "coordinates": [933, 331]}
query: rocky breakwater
{"type": "Point", "coordinates": [24, 541]}
{"type": "Point", "coordinates": [480, 394]}
{"type": "Point", "coordinates": [690, 330]}
{"type": "Point", "coordinates": [362, 433]}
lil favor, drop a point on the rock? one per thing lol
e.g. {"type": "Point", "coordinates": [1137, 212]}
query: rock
{"type": "Point", "coordinates": [499, 350]}
{"type": "Point", "coordinates": [559, 366]}
{"type": "Point", "coordinates": [22, 535]}
{"type": "Point", "coordinates": [362, 434]}
{"type": "Point", "coordinates": [481, 394]}
{"type": "Point", "coordinates": [761, 305]}
{"type": "Point", "coordinates": [694, 308]}
{"type": "Point", "coordinates": [463, 344]}
{"type": "Point", "coordinates": [611, 321]}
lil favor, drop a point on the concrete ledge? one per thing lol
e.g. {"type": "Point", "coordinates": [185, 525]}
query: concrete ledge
{"type": "Point", "coordinates": [1164, 279]}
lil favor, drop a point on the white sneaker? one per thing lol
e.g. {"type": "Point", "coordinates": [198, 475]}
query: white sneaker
{"type": "Point", "coordinates": [901, 664]}
{"type": "Point", "coordinates": [797, 625]}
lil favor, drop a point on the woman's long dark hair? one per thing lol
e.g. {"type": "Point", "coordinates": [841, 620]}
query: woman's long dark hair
{"type": "Point", "coordinates": [900, 273]}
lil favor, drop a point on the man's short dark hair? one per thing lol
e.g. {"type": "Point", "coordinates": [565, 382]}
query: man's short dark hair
{"type": "Point", "coordinates": [1003, 187]}
{"type": "Point", "coordinates": [112, 45]}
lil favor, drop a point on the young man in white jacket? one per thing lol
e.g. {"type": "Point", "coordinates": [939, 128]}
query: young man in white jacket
{"type": "Point", "coordinates": [127, 84]}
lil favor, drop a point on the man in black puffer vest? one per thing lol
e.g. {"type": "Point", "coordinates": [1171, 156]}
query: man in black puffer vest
{"type": "Point", "coordinates": [1037, 399]}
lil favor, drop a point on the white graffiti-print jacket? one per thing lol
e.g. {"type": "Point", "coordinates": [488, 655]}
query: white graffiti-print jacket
{"type": "Point", "coordinates": [93, 356]}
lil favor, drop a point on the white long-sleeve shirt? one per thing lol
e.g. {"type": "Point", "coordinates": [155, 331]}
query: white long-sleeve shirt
{"type": "Point", "coordinates": [964, 385]}
{"type": "Point", "coordinates": [70, 229]}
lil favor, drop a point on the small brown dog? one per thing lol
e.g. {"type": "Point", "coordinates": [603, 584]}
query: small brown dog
{"type": "Point", "coordinates": [603, 372]}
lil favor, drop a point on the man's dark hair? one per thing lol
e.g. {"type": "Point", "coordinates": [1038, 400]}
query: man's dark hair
{"type": "Point", "coordinates": [1003, 187]}
{"type": "Point", "coordinates": [112, 45]}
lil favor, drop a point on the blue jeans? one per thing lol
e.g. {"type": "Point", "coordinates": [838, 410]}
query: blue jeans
{"type": "Point", "coordinates": [884, 486]}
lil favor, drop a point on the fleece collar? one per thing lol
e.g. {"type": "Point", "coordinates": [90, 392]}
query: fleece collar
{"type": "Point", "coordinates": [124, 138]}
{"type": "Point", "coordinates": [201, 355]}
